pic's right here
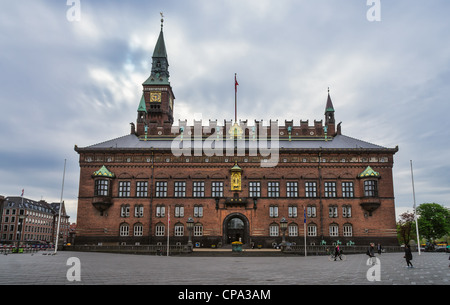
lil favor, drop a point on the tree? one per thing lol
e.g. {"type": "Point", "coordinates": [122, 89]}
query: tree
{"type": "Point", "coordinates": [406, 228]}
{"type": "Point", "coordinates": [433, 221]}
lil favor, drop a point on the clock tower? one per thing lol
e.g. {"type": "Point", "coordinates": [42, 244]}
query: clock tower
{"type": "Point", "coordinates": [155, 111]}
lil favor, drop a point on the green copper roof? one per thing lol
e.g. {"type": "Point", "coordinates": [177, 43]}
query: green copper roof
{"type": "Point", "coordinates": [329, 107]}
{"type": "Point", "coordinates": [142, 106]}
{"type": "Point", "coordinates": [369, 172]}
{"type": "Point", "coordinates": [236, 168]}
{"type": "Point", "coordinates": [103, 172]}
{"type": "Point", "coordinates": [160, 48]}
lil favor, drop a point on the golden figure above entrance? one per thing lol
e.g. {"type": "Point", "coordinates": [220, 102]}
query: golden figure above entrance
{"type": "Point", "coordinates": [236, 181]}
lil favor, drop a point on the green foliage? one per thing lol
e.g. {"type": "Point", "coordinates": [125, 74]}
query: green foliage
{"type": "Point", "coordinates": [433, 220]}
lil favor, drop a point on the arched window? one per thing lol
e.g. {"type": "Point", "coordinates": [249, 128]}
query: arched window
{"type": "Point", "coordinates": [274, 229]}
{"type": "Point", "coordinates": [160, 229]}
{"type": "Point", "coordinates": [348, 229]}
{"type": "Point", "coordinates": [124, 229]}
{"type": "Point", "coordinates": [138, 229]}
{"type": "Point", "coordinates": [293, 229]}
{"type": "Point", "coordinates": [312, 230]}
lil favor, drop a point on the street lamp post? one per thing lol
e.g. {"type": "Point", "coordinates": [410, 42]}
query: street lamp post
{"type": "Point", "coordinates": [283, 225]}
{"type": "Point", "coordinates": [190, 226]}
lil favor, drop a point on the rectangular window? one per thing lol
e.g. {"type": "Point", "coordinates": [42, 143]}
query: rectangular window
{"type": "Point", "coordinates": [273, 230]}
{"type": "Point", "coordinates": [179, 211]}
{"type": "Point", "coordinates": [124, 188]}
{"type": "Point", "coordinates": [346, 211]}
{"type": "Point", "coordinates": [101, 188]}
{"type": "Point", "coordinates": [312, 230]}
{"type": "Point", "coordinates": [254, 188]}
{"type": "Point", "coordinates": [311, 211]}
{"type": "Point", "coordinates": [179, 230]}
{"type": "Point", "coordinates": [138, 211]}
{"type": "Point", "coordinates": [160, 211]}
{"type": "Point", "coordinates": [180, 189]}
{"type": "Point", "coordinates": [273, 189]}
{"type": "Point", "coordinates": [273, 211]}
{"type": "Point", "coordinates": [160, 230]}
{"type": "Point", "coordinates": [334, 230]}
{"type": "Point", "coordinates": [198, 230]}
{"type": "Point", "coordinates": [311, 189]}
{"type": "Point", "coordinates": [198, 211]}
{"type": "Point", "coordinates": [292, 189]}
{"type": "Point", "coordinates": [333, 211]}
{"type": "Point", "coordinates": [293, 230]}
{"type": "Point", "coordinates": [161, 189]}
{"type": "Point", "coordinates": [330, 189]}
{"type": "Point", "coordinates": [138, 230]}
{"type": "Point", "coordinates": [141, 188]}
{"type": "Point", "coordinates": [198, 189]}
{"type": "Point", "coordinates": [347, 189]}
{"type": "Point", "coordinates": [292, 211]}
{"type": "Point", "coordinates": [217, 189]}
{"type": "Point", "coordinates": [370, 188]}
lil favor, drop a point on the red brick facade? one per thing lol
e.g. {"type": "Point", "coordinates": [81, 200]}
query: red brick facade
{"type": "Point", "coordinates": [129, 185]}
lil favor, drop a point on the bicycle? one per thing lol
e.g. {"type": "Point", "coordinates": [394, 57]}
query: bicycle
{"type": "Point", "coordinates": [333, 257]}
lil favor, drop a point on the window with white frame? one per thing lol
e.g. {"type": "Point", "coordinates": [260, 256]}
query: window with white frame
{"type": "Point", "coordinates": [124, 229]}
{"type": "Point", "coordinates": [179, 211]}
{"type": "Point", "coordinates": [198, 229]}
{"type": "Point", "coordinates": [333, 211]}
{"type": "Point", "coordinates": [334, 230]}
{"type": "Point", "coordinates": [160, 229]}
{"type": "Point", "coordinates": [312, 230]}
{"type": "Point", "coordinates": [347, 230]}
{"type": "Point", "coordinates": [141, 188]}
{"type": "Point", "coordinates": [179, 229]}
{"type": "Point", "coordinates": [124, 210]}
{"type": "Point", "coordinates": [138, 229]}
{"type": "Point", "coordinates": [311, 211]}
{"type": "Point", "coordinates": [198, 189]}
{"type": "Point", "coordinates": [139, 210]}
{"type": "Point", "coordinates": [293, 230]}
{"type": "Point", "coordinates": [273, 211]}
{"type": "Point", "coordinates": [274, 230]}
{"type": "Point", "coordinates": [198, 211]}
{"type": "Point", "coordinates": [292, 211]}
{"type": "Point", "coordinates": [160, 211]}
{"type": "Point", "coordinates": [347, 211]}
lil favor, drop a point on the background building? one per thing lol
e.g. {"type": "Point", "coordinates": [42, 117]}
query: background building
{"type": "Point", "coordinates": [26, 221]}
{"type": "Point", "coordinates": [138, 188]}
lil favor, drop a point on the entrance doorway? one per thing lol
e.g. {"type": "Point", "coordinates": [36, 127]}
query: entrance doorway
{"type": "Point", "coordinates": [235, 228]}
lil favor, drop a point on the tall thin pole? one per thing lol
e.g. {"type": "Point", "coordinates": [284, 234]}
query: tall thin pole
{"type": "Point", "coordinates": [235, 97]}
{"type": "Point", "coordinates": [304, 226]}
{"type": "Point", "coordinates": [415, 214]}
{"type": "Point", "coordinates": [168, 228]}
{"type": "Point", "coordinates": [60, 205]}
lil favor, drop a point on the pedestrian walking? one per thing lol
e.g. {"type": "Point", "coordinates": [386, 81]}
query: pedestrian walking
{"type": "Point", "coordinates": [379, 248]}
{"type": "Point", "coordinates": [408, 256]}
{"type": "Point", "coordinates": [371, 253]}
{"type": "Point", "coordinates": [337, 253]}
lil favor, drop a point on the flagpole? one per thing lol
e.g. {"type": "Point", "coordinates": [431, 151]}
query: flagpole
{"type": "Point", "coordinates": [415, 214]}
{"type": "Point", "coordinates": [168, 228]}
{"type": "Point", "coordinates": [304, 226]}
{"type": "Point", "coordinates": [235, 97]}
{"type": "Point", "coordinates": [60, 204]}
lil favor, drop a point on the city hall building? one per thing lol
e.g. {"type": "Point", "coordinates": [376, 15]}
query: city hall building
{"type": "Point", "coordinates": [234, 181]}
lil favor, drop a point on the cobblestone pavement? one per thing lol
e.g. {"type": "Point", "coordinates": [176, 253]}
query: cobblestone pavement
{"type": "Point", "coordinates": [119, 269]}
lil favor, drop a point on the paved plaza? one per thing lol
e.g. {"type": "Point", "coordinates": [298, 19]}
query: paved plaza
{"type": "Point", "coordinates": [82, 268]}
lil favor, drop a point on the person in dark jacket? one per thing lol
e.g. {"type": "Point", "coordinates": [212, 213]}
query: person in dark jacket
{"type": "Point", "coordinates": [408, 256]}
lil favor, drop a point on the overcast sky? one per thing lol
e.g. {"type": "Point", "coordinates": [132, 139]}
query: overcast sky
{"type": "Point", "coordinates": [65, 82]}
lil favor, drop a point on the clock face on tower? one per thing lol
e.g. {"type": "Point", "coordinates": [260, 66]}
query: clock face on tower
{"type": "Point", "coordinates": [155, 97]}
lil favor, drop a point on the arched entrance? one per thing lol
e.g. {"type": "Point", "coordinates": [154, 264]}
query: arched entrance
{"type": "Point", "coordinates": [235, 228]}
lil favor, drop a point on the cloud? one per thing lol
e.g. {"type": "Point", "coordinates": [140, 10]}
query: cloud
{"type": "Point", "coordinates": [65, 83]}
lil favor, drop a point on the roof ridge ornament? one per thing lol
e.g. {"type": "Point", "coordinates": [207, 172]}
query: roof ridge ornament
{"type": "Point", "coordinates": [162, 20]}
